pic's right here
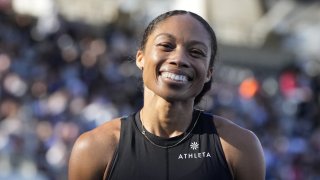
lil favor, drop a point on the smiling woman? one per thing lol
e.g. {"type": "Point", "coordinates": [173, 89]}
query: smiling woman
{"type": "Point", "coordinates": [168, 138]}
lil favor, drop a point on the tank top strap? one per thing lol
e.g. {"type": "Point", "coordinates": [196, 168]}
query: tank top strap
{"type": "Point", "coordinates": [125, 131]}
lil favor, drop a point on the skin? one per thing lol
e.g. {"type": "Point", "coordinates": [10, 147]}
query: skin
{"type": "Point", "coordinates": [179, 45]}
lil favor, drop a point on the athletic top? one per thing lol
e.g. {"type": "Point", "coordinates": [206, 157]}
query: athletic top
{"type": "Point", "coordinates": [196, 154]}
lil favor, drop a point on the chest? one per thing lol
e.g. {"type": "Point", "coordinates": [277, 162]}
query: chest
{"type": "Point", "coordinates": [196, 157]}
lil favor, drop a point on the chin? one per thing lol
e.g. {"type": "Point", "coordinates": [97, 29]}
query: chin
{"type": "Point", "coordinates": [177, 97]}
{"type": "Point", "coordinates": [172, 94]}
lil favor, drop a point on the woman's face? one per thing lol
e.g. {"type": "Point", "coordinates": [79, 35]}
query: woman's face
{"type": "Point", "coordinates": [176, 58]}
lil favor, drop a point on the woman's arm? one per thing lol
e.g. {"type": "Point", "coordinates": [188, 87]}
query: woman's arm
{"type": "Point", "coordinates": [248, 158]}
{"type": "Point", "coordinates": [93, 151]}
{"type": "Point", "coordinates": [242, 149]}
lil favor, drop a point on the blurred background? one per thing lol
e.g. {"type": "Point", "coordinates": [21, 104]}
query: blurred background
{"type": "Point", "coordinates": [67, 66]}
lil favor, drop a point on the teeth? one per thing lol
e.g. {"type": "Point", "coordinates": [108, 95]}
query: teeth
{"type": "Point", "coordinates": [175, 77]}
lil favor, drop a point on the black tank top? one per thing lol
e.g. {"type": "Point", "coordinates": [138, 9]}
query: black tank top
{"type": "Point", "coordinates": [196, 155]}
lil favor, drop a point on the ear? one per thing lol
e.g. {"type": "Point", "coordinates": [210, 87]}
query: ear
{"type": "Point", "coordinates": [139, 59]}
{"type": "Point", "coordinates": [209, 74]}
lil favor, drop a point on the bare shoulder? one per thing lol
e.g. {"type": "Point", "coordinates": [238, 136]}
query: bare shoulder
{"type": "Point", "coordinates": [104, 137]}
{"type": "Point", "coordinates": [233, 133]}
{"type": "Point", "coordinates": [106, 133]}
{"type": "Point", "coordinates": [242, 149]}
{"type": "Point", "coordinates": [93, 151]}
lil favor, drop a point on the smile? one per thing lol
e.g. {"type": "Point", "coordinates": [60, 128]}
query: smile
{"type": "Point", "coordinates": [175, 77]}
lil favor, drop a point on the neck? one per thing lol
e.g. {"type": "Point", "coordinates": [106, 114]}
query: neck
{"type": "Point", "coordinates": [166, 119]}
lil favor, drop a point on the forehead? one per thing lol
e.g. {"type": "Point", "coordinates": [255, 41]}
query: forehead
{"type": "Point", "coordinates": [184, 26]}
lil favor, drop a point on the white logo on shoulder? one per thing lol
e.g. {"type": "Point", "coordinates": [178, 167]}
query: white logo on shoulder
{"type": "Point", "coordinates": [199, 155]}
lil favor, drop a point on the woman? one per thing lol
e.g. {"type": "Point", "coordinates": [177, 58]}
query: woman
{"type": "Point", "coordinates": [168, 138]}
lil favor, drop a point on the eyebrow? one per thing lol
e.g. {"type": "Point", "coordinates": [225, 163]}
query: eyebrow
{"type": "Point", "coordinates": [165, 34]}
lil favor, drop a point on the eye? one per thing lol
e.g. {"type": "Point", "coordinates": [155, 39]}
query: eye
{"type": "Point", "coordinates": [166, 46]}
{"type": "Point", "coordinates": [197, 53]}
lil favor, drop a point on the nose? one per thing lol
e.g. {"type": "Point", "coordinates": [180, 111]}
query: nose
{"type": "Point", "coordinates": [180, 59]}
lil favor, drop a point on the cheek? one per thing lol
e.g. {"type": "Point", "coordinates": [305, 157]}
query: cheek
{"type": "Point", "coordinates": [150, 69]}
{"type": "Point", "coordinates": [156, 56]}
{"type": "Point", "coordinates": [153, 60]}
{"type": "Point", "coordinates": [202, 69]}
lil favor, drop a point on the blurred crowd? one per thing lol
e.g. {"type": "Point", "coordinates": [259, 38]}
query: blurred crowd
{"type": "Point", "coordinates": [56, 86]}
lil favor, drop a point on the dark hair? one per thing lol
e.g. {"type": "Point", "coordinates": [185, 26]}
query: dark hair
{"type": "Point", "coordinates": [151, 27]}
